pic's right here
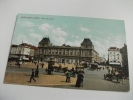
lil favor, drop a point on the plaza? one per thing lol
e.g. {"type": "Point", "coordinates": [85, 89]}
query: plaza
{"type": "Point", "coordinates": [93, 80]}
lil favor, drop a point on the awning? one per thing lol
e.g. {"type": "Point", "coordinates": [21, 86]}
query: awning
{"type": "Point", "coordinates": [14, 56]}
{"type": "Point", "coordinates": [25, 58]}
{"type": "Point", "coordinates": [115, 63]}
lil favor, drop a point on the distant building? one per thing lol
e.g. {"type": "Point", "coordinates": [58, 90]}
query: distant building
{"type": "Point", "coordinates": [114, 56]}
{"type": "Point", "coordinates": [124, 53]}
{"type": "Point", "coordinates": [23, 51]}
{"type": "Point", "coordinates": [101, 60]}
{"type": "Point", "coordinates": [67, 53]}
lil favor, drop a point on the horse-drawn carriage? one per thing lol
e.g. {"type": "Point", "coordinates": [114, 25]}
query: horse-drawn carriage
{"type": "Point", "coordinates": [110, 77]}
{"type": "Point", "coordinates": [57, 68]}
{"type": "Point", "coordinates": [94, 66]}
{"type": "Point", "coordinates": [116, 76]}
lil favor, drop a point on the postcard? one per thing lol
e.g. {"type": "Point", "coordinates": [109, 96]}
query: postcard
{"type": "Point", "coordinates": [68, 52]}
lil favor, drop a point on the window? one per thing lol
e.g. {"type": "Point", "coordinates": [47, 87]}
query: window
{"type": "Point", "coordinates": [114, 57]}
{"type": "Point", "coordinates": [85, 54]}
{"type": "Point", "coordinates": [56, 52]}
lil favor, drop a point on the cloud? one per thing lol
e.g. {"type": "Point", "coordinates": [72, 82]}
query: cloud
{"type": "Point", "coordinates": [28, 24]}
{"type": "Point", "coordinates": [45, 27]}
{"type": "Point", "coordinates": [58, 40]}
{"type": "Point", "coordinates": [74, 43]}
{"type": "Point", "coordinates": [21, 38]}
{"type": "Point", "coordinates": [31, 30]}
{"type": "Point", "coordinates": [59, 32]}
{"type": "Point", "coordinates": [102, 45]}
{"type": "Point", "coordinates": [35, 36]}
{"type": "Point", "coordinates": [89, 36]}
{"type": "Point", "coordinates": [101, 48]}
{"type": "Point", "coordinates": [74, 36]}
{"type": "Point", "coordinates": [84, 29]}
{"type": "Point", "coordinates": [57, 35]}
{"type": "Point", "coordinates": [116, 41]}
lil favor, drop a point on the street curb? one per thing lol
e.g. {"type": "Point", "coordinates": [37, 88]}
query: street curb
{"type": "Point", "coordinates": [51, 85]}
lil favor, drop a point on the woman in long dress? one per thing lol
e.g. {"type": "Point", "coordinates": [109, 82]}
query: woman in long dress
{"type": "Point", "coordinates": [79, 79]}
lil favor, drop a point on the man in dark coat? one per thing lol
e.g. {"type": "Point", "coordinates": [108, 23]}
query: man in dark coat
{"type": "Point", "coordinates": [42, 64]}
{"type": "Point", "coordinates": [32, 76]}
{"type": "Point", "coordinates": [81, 80]}
{"type": "Point", "coordinates": [68, 76]}
{"type": "Point", "coordinates": [37, 71]}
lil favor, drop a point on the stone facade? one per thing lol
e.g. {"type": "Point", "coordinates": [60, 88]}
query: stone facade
{"type": "Point", "coordinates": [23, 51]}
{"type": "Point", "coordinates": [66, 53]}
{"type": "Point", "coordinates": [101, 60]}
{"type": "Point", "coordinates": [124, 53]}
{"type": "Point", "coordinates": [115, 57]}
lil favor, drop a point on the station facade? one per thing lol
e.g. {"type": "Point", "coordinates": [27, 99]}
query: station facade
{"type": "Point", "coordinates": [67, 53]}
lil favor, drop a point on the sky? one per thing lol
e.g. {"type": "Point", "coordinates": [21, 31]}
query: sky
{"type": "Point", "coordinates": [70, 30]}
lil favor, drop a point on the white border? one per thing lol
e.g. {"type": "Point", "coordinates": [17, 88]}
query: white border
{"type": "Point", "coordinates": [109, 9]}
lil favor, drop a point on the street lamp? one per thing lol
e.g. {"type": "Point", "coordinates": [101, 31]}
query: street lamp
{"type": "Point", "coordinates": [19, 54]}
{"type": "Point", "coordinates": [39, 55]}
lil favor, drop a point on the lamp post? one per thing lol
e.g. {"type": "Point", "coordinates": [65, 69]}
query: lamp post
{"type": "Point", "coordinates": [20, 51]}
{"type": "Point", "coordinates": [38, 55]}
{"type": "Point", "coordinates": [19, 55]}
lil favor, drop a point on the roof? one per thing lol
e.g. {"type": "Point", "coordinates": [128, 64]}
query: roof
{"type": "Point", "coordinates": [29, 46]}
{"type": "Point", "coordinates": [14, 45]}
{"type": "Point", "coordinates": [45, 40]}
{"type": "Point", "coordinates": [33, 47]}
{"type": "Point", "coordinates": [113, 48]}
{"type": "Point", "coordinates": [86, 41]}
{"type": "Point", "coordinates": [64, 45]}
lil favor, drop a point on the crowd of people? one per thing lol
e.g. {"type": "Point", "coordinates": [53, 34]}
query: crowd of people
{"type": "Point", "coordinates": [73, 72]}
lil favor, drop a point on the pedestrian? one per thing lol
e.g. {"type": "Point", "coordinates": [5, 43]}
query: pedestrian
{"type": "Point", "coordinates": [82, 77]}
{"type": "Point", "coordinates": [42, 64]}
{"type": "Point", "coordinates": [35, 62]}
{"type": "Point", "coordinates": [37, 71]}
{"type": "Point", "coordinates": [32, 61]}
{"type": "Point", "coordinates": [120, 77]}
{"type": "Point", "coordinates": [109, 71]}
{"type": "Point", "coordinates": [32, 76]}
{"type": "Point", "coordinates": [76, 69]}
{"type": "Point", "coordinates": [78, 82]}
{"type": "Point", "coordinates": [73, 71]}
{"type": "Point", "coordinates": [112, 71]}
{"type": "Point", "coordinates": [19, 64]}
{"type": "Point", "coordinates": [46, 70]}
{"type": "Point", "coordinates": [68, 75]}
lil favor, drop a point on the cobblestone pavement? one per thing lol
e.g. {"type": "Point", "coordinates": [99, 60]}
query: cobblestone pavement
{"type": "Point", "coordinates": [21, 76]}
{"type": "Point", "coordinates": [93, 80]}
